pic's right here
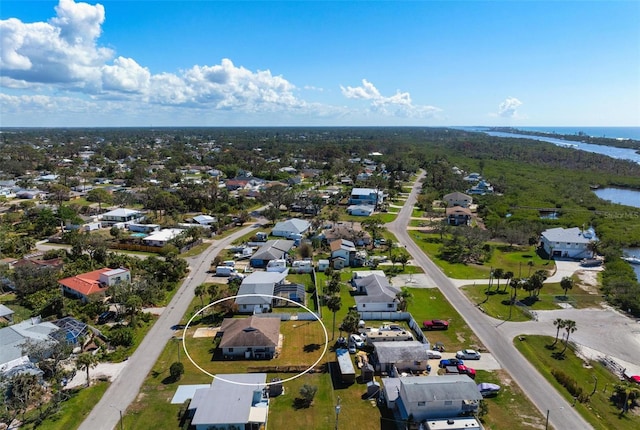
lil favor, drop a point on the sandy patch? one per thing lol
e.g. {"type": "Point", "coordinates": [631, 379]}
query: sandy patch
{"type": "Point", "coordinates": [588, 280]}
{"type": "Point", "coordinates": [109, 371]}
{"type": "Point", "coordinates": [206, 332]}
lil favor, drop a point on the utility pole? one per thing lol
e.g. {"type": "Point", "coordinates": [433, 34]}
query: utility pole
{"type": "Point", "coordinates": [337, 412]}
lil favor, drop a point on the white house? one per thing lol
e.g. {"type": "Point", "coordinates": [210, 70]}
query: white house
{"type": "Point", "coordinates": [567, 242]}
{"type": "Point", "coordinates": [232, 401]}
{"type": "Point", "coordinates": [162, 237]}
{"type": "Point", "coordinates": [360, 210]}
{"type": "Point", "coordinates": [290, 229]}
{"type": "Point", "coordinates": [121, 215]}
{"type": "Point", "coordinates": [433, 397]}
{"type": "Point", "coordinates": [204, 219]}
{"type": "Point", "coordinates": [260, 286]}
{"type": "Point", "coordinates": [374, 293]}
{"type": "Point", "coordinates": [458, 199]}
{"type": "Point", "coordinates": [366, 196]}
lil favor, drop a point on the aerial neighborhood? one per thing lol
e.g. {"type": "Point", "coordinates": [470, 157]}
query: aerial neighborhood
{"type": "Point", "coordinates": [312, 278]}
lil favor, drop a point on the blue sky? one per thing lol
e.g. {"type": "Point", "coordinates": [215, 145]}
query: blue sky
{"type": "Point", "coordinates": [241, 63]}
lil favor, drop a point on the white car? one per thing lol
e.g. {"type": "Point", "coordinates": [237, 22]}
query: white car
{"type": "Point", "coordinates": [357, 340]}
{"type": "Point", "coordinates": [468, 354]}
{"type": "Point", "coordinates": [434, 355]}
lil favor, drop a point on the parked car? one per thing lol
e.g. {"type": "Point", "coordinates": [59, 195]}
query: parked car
{"type": "Point", "coordinates": [357, 340]}
{"type": "Point", "coordinates": [450, 362]}
{"type": "Point", "coordinates": [464, 370]}
{"type": "Point", "coordinates": [435, 325]}
{"type": "Point", "coordinates": [434, 355]}
{"type": "Point", "coordinates": [468, 354]}
{"type": "Point", "coordinates": [487, 389]}
{"type": "Point", "coordinates": [352, 348]}
{"type": "Point", "coordinates": [105, 317]}
{"type": "Point", "coordinates": [635, 378]}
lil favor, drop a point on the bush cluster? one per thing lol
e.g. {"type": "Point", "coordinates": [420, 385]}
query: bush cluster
{"type": "Point", "coordinates": [571, 385]}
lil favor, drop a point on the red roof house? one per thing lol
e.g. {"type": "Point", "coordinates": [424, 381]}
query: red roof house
{"type": "Point", "coordinates": [86, 284]}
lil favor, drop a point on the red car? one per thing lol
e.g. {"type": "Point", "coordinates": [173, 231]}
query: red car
{"type": "Point", "coordinates": [464, 370]}
{"type": "Point", "coordinates": [635, 378]}
{"type": "Point", "coordinates": [435, 325]}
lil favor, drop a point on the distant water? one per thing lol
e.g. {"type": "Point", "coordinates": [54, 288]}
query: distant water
{"type": "Point", "coordinates": [621, 196]}
{"type": "Point", "coordinates": [634, 252]}
{"type": "Point", "coordinates": [609, 132]}
{"type": "Point", "coordinates": [610, 151]}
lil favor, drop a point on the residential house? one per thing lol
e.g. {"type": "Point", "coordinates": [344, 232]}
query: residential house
{"type": "Point", "coordinates": [481, 188]}
{"type": "Point", "coordinates": [394, 358]}
{"type": "Point", "coordinates": [360, 210]}
{"type": "Point", "coordinates": [458, 215]}
{"type": "Point", "coordinates": [472, 177]}
{"type": "Point", "coordinates": [345, 254]}
{"type": "Point", "coordinates": [161, 238]}
{"type": "Point", "coordinates": [432, 397]}
{"type": "Point", "coordinates": [233, 401]}
{"type": "Point", "coordinates": [568, 242]}
{"type": "Point", "coordinates": [32, 330]}
{"type": "Point", "coordinates": [260, 286]}
{"type": "Point", "coordinates": [366, 196]}
{"type": "Point", "coordinates": [121, 216]}
{"type": "Point", "coordinates": [291, 229]}
{"type": "Point", "coordinates": [249, 338]}
{"type": "Point", "coordinates": [375, 293]}
{"type": "Point", "coordinates": [93, 283]}
{"type": "Point", "coordinates": [271, 250]}
{"type": "Point", "coordinates": [204, 220]}
{"type": "Point", "coordinates": [349, 231]}
{"type": "Point", "coordinates": [6, 314]}
{"type": "Point", "coordinates": [458, 199]}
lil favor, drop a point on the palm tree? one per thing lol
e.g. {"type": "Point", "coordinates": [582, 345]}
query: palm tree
{"type": "Point", "coordinates": [566, 283]}
{"type": "Point", "coordinates": [559, 323]}
{"type": "Point", "coordinates": [405, 297]}
{"type": "Point", "coordinates": [213, 290]}
{"type": "Point", "coordinates": [86, 361]}
{"type": "Point", "coordinates": [594, 247]}
{"type": "Point", "coordinates": [515, 283]}
{"type": "Point", "coordinates": [200, 292]}
{"type": "Point", "coordinates": [498, 273]}
{"type": "Point", "coordinates": [334, 304]}
{"type": "Point", "coordinates": [569, 327]}
{"type": "Point", "coordinates": [507, 276]}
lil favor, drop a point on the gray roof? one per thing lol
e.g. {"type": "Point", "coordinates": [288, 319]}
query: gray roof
{"type": "Point", "coordinates": [225, 402]}
{"type": "Point", "coordinates": [5, 311]}
{"type": "Point", "coordinates": [378, 289]}
{"type": "Point", "coordinates": [293, 225]}
{"type": "Point", "coordinates": [122, 212]}
{"type": "Point", "coordinates": [266, 292]}
{"type": "Point", "coordinates": [273, 249]}
{"type": "Point", "coordinates": [393, 352]}
{"type": "Point", "coordinates": [568, 235]}
{"type": "Point", "coordinates": [12, 338]}
{"type": "Point", "coordinates": [439, 388]}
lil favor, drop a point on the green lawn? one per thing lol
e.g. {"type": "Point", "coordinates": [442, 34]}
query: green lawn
{"type": "Point", "coordinates": [521, 261]}
{"type": "Point", "coordinates": [600, 412]}
{"type": "Point", "coordinates": [20, 312]}
{"type": "Point", "coordinates": [196, 250]}
{"type": "Point", "coordinates": [73, 411]}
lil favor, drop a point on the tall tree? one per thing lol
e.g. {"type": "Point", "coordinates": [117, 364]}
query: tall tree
{"type": "Point", "coordinates": [559, 323]}
{"type": "Point", "coordinates": [569, 327]}
{"type": "Point", "coordinates": [405, 298]}
{"type": "Point", "coordinates": [566, 283]}
{"type": "Point", "coordinates": [498, 273]}
{"type": "Point", "coordinates": [334, 303]}
{"type": "Point", "coordinates": [86, 361]}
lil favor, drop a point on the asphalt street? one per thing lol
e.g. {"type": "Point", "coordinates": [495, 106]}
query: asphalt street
{"type": "Point", "coordinates": [499, 343]}
{"type": "Point", "coordinates": [124, 389]}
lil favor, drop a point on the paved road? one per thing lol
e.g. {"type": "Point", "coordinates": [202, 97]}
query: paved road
{"type": "Point", "coordinates": [124, 389]}
{"type": "Point", "coordinates": [542, 394]}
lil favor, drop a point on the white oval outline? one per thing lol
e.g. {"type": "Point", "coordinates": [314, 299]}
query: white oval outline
{"type": "Point", "coordinates": [324, 328]}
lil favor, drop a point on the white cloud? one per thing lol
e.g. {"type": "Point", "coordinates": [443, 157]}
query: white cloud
{"type": "Point", "coordinates": [399, 104]}
{"type": "Point", "coordinates": [125, 75]}
{"type": "Point", "coordinates": [508, 108]}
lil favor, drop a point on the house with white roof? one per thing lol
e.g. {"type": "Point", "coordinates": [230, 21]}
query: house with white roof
{"type": "Point", "coordinates": [121, 216]}
{"type": "Point", "coordinates": [567, 242]}
{"type": "Point", "coordinates": [291, 228]}
{"type": "Point", "coordinates": [458, 199]}
{"type": "Point", "coordinates": [13, 338]}
{"type": "Point", "coordinates": [260, 287]}
{"type": "Point", "coordinates": [162, 237]}
{"type": "Point", "coordinates": [232, 401]}
{"type": "Point", "coordinates": [366, 196]}
{"type": "Point", "coordinates": [204, 219]}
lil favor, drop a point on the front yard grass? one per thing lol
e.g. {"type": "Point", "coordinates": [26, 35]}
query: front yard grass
{"type": "Point", "coordinates": [600, 412]}
{"type": "Point", "coordinates": [522, 261]}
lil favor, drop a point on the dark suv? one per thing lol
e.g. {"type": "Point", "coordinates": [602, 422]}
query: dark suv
{"type": "Point", "coordinates": [106, 317]}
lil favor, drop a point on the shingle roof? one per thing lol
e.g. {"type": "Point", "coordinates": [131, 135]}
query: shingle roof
{"type": "Point", "coordinates": [393, 352]}
{"type": "Point", "coordinates": [439, 388]}
{"type": "Point", "coordinates": [252, 331]}
{"type": "Point", "coordinates": [273, 249]}
{"type": "Point", "coordinates": [378, 289]}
